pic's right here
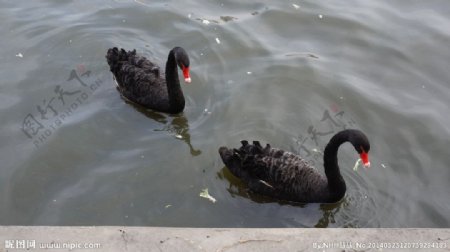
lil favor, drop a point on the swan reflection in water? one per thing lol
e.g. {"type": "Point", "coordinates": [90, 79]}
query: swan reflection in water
{"type": "Point", "coordinates": [238, 188]}
{"type": "Point", "coordinates": [177, 127]}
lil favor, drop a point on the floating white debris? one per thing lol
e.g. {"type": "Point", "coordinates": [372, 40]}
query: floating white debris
{"type": "Point", "coordinates": [179, 136]}
{"type": "Point", "coordinates": [205, 194]}
{"type": "Point", "coordinates": [142, 156]}
{"type": "Point", "coordinates": [320, 16]}
{"type": "Point", "coordinates": [201, 54]}
{"type": "Point", "coordinates": [249, 73]}
{"type": "Point", "coordinates": [206, 22]}
{"type": "Point", "coordinates": [383, 165]}
{"type": "Point", "coordinates": [206, 110]}
{"type": "Point", "coordinates": [342, 98]}
{"type": "Point", "coordinates": [423, 86]}
{"type": "Point", "coordinates": [167, 206]}
{"type": "Point", "coordinates": [189, 15]}
{"type": "Point", "coordinates": [123, 20]}
{"type": "Point", "coordinates": [317, 151]}
{"type": "Point", "coordinates": [296, 6]}
{"type": "Point", "coordinates": [70, 41]}
{"type": "Point", "coordinates": [355, 168]}
{"type": "Point", "coordinates": [19, 55]}
{"type": "Point", "coordinates": [218, 40]}
{"type": "Point", "coordinates": [54, 200]}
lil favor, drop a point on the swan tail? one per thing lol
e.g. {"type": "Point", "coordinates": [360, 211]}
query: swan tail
{"type": "Point", "coordinates": [242, 161]}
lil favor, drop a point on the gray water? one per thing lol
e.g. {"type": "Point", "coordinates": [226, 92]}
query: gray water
{"type": "Point", "coordinates": [288, 73]}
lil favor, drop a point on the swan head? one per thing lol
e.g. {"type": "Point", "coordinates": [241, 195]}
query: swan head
{"type": "Point", "coordinates": [362, 146]}
{"type": "Point", "coordinates": [182, 59]}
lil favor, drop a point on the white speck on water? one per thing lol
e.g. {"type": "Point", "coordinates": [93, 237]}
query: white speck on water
{"type": "Point", "coordinates": [206, 111]}
{"type": "Point", "coordinates": [218, 40]}
{"type": "Point", "coordinates": [206, 22]}
{"type": "Point", "coordinates": [123, 20]}
{"type": "Point", "coordinates": [167, 206]}
{"type": "Point", "coordinates": [320, 16]}
{"type": "Point", "coordinates": [179, 136]}
{"type": "Point", "coordinates": [423, 86]}
{"type": "Point", "coordinates": [70, 41]}
{"type": "Point", "coordinates": [296, 6]}
{"type": "Point", "coordinates": [383, 165]}
{"type": "Point", "coordinates": [342, 98]}
{"type": "Point", "coordinates": [201, 54]}
{"type": "Point", "coordinates": [189, 15]}
{"type": "Point", "coordinates": [54, 200]}
{"type": "Point", "coordinates": [81, 56]}
{"type": "Point", "coordinates": [19, 55]}
{"type": "Point", "coordinates": [249, 73]}
{"type": "Point", "coordinates": [230, 82]}
{"type": "Point", "coordinates": [126, 216]}
{"type": "Point", "coordinates": [317, 151]}
{"type": "Point", "coordinates": [142, 156]}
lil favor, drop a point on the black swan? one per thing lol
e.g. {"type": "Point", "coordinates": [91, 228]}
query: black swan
{"type": "Point", "coordinates": [139, 80]}
{"type": "Point", "coordinates": [285, 176]}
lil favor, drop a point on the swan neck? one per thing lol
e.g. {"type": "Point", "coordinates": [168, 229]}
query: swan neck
{"type": "Point", "coordinates": [176, 97]}
{"type": "Point", "coordinates": [336, 183]}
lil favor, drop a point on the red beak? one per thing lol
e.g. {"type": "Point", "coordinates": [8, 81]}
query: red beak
{"type": "Point", "coordinates": [365, 159]}
{"type": "Point", "coordinates": [187, 76]}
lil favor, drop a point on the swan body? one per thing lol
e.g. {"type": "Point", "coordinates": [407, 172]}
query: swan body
{"type": "Point", "coordinates": [140, 80]}
{"type": "Point", "coordinates": [286, 176]}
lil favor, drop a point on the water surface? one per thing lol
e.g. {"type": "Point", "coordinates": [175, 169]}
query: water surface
{"type": "Point", "coordinates": [291, 73]}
